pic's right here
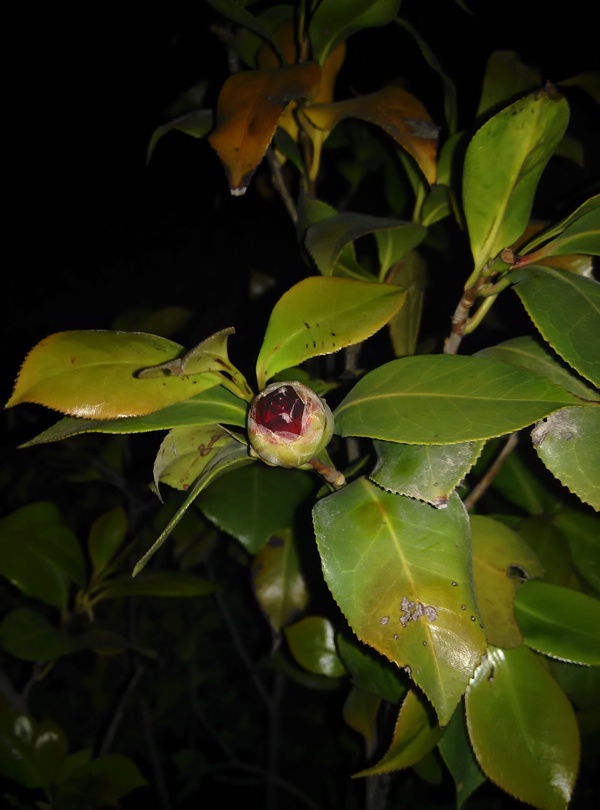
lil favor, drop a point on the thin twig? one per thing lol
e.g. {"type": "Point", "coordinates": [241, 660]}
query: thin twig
{"type": "Point", "coordinates": [280, 185]}
{"type": "Point", "coordinates": [492, 472]}
{"type": "Point", "coordinates": [117, 715]}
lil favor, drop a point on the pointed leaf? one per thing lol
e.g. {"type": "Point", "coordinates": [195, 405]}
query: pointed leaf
{"type": "Point", "coordinates": [582, 531]}
{"type": "Point", "coordinates": [255, 502]}
{"type": "Point", "coordinates": [320, 316]}
{"type": "Point", "coordinates": [457, 753]}
{"type": "Point", "coordinates": [26, 634]}
{"type": "Point", "coordinates": [249, 108]}
{"type": "Point", "coordinates": [581, 236]}
{"type": "Point", "coordinates": [429, 473]}
{"type": "Point", "coordinates": [235, 12]}
{"type": "Point", "coordinates": [415, 735]}
{"type": "Point", "coordinates": [197, 124]}
{"type": "Point", "coordinates": [360, 713]}
{"type": "Point", "coordinates": [335, 21]}
{"type": "Point", "coordinates": [445, 399]}
{"type": "Point", "coordinates": [217, 405]}
{"type": "Point", "coordinates": [400, 572]}
{"type": "Point", "coordinates": [559, 622]}
{"type": "Point", "coordinates": [158, 584]}
{"type": "Point", "coordinates": [185, 452]}
{"type": "Point", "coordinates": [497, 552]}
{"type": "Point", "coordinates": [566, 309]}
{"type": "Point", "coordinates": [395, 111]}
{"type": "Point", "coordinates": [551, 547]}
{"type": "Point", "coordinates": [370, 672]}
{"type": "Point", "coordinates": [503, 164]}
{"type": "Point", "coordinates": [106, 537]}
{"type": "Point", "coordinates": [589, 206]}
{"type": "Point", "coordinates": [567, 443]}
{"type": "Point", "coordinates": [523, 728]}
{"type": "Point", "coordinates": [93, 374]}
{"type": "Point", "coordinates": [505, 78]}
{"type": "Point", "coordinates": [312, 643]}
{"type": "Point", "coordinates": [410, 274]}
{"type": "Point", "coordinates": [277, 580]}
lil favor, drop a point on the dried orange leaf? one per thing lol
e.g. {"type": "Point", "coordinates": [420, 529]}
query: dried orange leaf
{"type": "Point", "coordinates": [397, 112]}
{"type": "Point", "coordinates": [250, 106]}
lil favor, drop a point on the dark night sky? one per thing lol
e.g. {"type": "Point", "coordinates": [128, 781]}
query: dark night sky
{"type": "Point", "coordinates": [92, 232]}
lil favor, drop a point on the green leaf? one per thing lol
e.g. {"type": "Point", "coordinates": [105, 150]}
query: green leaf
{"type": "Point", "coordinates": [236, 12]}
{"type": "Point", "coordinates": [503, 164]}
{"type": "Point", "coordinates": [185, 452]}
{"type": "Point", "coordinates": [519, 482]}
{"type": "Point", "coordinates": [231, 455]}
{"type": "Point", "coordinates": [567, 443]}
{"type": "Point", "coordinates": [559, 622]}
{"type": "Point", "coordinates": [360, 713]}
{"type": "Point", "coordinates": [581, 236]}
{"type": "Point", "coordinates": [550, 545]}
{"type": "Point", "coordinates": [589, 206]}
{"type": "Point", "coordinates": [505, 78]}
{"type": "Point", "coordinates": [93, 375]}
{"type": "Point", "coordinates": [28, 635]}
{"type": "Point", "coordinates": [410, 274]}
{"type": "Point", "coordinates": [104, 781]}
{"type": "Point", "coordinates": [336, 20]}
{"type": "Point", "coordinates": [582, 531]}
{"type": "Point", "coordinates": [446, 399]}
{"type": "Point", "coordinates": [370, 672]}
{"type": "Point", "coordinates": [217, 405]}
{"type": "Point", "coordinates": [255, 502]}
{"type": "Point", "coordinates": [429, 473]}
{"type": "Point", "coordinates": [159, 584]}
{"type": "Point", "coordinates": [499, 557]}
{"type": "Point", "coordinates": [581, 684]}
{"type": "Point", "coordinates": [312, 643]}
{"type": "Point", "coordinates": [415, 735]}
{"type": "Point", "coordinates": [400, 570]}
{"type": "Point", "coordinates": [523, 728]}
{"type": "Point", "coordinates": [106, 537]}
{"type": "Point", "coordinates": [529, 353]}
{"type": "Point", "coordinates": [197, 123]}
{"type": "Point", "coordinates": [323, 315]}
{"type": "Point", "coordinates": [457, 753]}
{"type": "Point", "coordinates": [277, 580]}
{"type": "Point", "coordinates": [31, 754]}
{"type": "Point", "coordinates": [565, 308]}
{"type": "Point", "coordinates": [39, 554]}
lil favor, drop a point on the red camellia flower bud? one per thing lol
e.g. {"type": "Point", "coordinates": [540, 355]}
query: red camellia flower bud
{"type": "Point", "coordinates": [288, 424]}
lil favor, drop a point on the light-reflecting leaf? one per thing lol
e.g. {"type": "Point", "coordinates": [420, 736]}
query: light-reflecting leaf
{"type": "Point", "coordinates": [457, 753]}
{"type": "Point", "coordinates": [249, 108]}
{"type": "Point", "coordinates": [567, 442]}
{"type": "Point", "coordinates": [39, 554]}
{"type": "Point", "coordinates": [566, 309]}
{"type": "Point", "coordinates": [107, 534]}
{"type": "Point", "coordinates": [395, 111]}
{"type": "Point", "coordinates": [498, 554]}
{"type": "Point", "coordinates": [559, 622]}
{"type": "Point", "coordinates": [523, 728]}
{"type": "Point", "coordinates": [185, 452]}
{"type": "Point", "coordinates": [505, 78]}
{"type": "Point", "coordinates": [320, 316]}
{"type": "Point", "coordinates": [415, 735]}
{"type": "Point", "coordinates": [92, 374]}
{"type": "Point", "coordinates": [277, 580]}
{"type": "Point", "coordinates": [547, 234]}
{"type": "Point", "coordinates": [312, 643]}
{"type": "Point", "coordinates": [255, 502]}
{"type": "Point", "coordinates": [334, 21]}
{"type": "Point", "coordinates": [429, 473]}
{"type": "Point", "coordinates": [217, 405]}
{"type": "Point", "coordinates": [445, 399]}
{"type": "Point", "coordinates": [26, 634]}
{"type": "Point", "coordinates": [582, 531]}
{"type": "Point", "coordinates": [31, 754]}
{"type": "Point", "coordinates": [400, 571]}
{"type": "Point", "coordinates": [503, 164]}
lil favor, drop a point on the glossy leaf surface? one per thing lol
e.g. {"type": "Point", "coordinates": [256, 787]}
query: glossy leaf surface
{"type": "Point", "coordinates": [400, 572]}
{"type": "Point", "coordinates": [567, 443]}
{"type": "Point", "coordinates": [277, 580]}
{"type": "Point", "coordinates": [312, 643]}
{"type": "Point", "coordinates": [92, 374]}
{"type": "Point", "coordinates": [320, 316]}
{"type": "Point", "coordinates": [415, 735]}
{"type": "Point", "coordinates": [533, 753]}
{"type": "Point", "coordinates": [249, 108]}
{"type": "Point", "coordinates": [559, 622]}
{"type": "Point", "coordinates": [429, 473]}
{"type": "Point", "coordinates": [551, 298]}
{"type": "Point", "coordinates": [395, 111]}
{"type": "Point", "coordinates": [503, 164]}
{"type": "Point", "coordinates": [444, 399]}
{"type": "Point", "coordinates": [334, 21]}
{"type": "Point", "coordinates": [500, 560]}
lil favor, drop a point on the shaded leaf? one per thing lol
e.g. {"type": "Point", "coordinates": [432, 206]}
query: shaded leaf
{"type": "Point", "coordinates": [236, 12]}
{"type": "Point", "coordinates": [521, 485]}
{"type": "Point", "coordinates": [106, 537]}
{"type": "Point", "coordinates": [533, 752]}
{"type": "Point", "coordinates": [415, 735]}
{"type": "Point", "coordinates": [312, 643]}
{"type": "Point", "coordinates": [429, 473]}
{"type": "Point", "coordinates": [505, 78]}
{"type": "Point", "coordinates": [497, 553]}
{"type": "Point", "coordinates": [93, 375]}
{"type": "Point", "coordinates": [395, 111]}
{"type": "Point", "coordinates": [559, 622]}
{"type": "Point", "coordinates": [107, 779]}
{"type": "Point", "coordinates": [551, 547]}
{"type": "Point", "coordinates": [371, 673]}
{"type": "Point", "coordinates": [31, 754]}
{"type": "Point", "coordinates": [157, 584]}
{"type": "Point", "coordinates": [445, 399]}
{"type": "Point", "coordinates": [457, 753]}
{"type": "Point", "coordinates": [400, 571]}
{"type": "Point", "coordinates": [320, 316]}
{"type": "Point", "coordinates": [503, 164]}
{"type": "Point", "coordinates": [582, 531]}
{"type": "Point", "coordinates": [410, 274]}
{"type": "Point", "coordinates": [249, 108]}
{"type": "Point", "coordinates": [333, 22]}
{"type": "Point", "coordinates": [360, 712]}
{"type": "Point", "coordinates": [197, 124]}
{"type": "Point", "coordinates": [26, 634]}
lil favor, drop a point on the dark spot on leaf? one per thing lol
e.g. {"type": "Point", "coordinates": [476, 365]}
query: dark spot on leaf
{"type": "Point", "coordinates": [515, 571]}
{"type": "Point", "coordinates": [454, 583]}
{"type": "Point", "coordinates": [472, 618]}
{"type": "Point", "coordinates": [463, 607]}
{"type": "Point", "coordinates": [424, 643]}
{"type": "Point", "coordinates": [276, 542]}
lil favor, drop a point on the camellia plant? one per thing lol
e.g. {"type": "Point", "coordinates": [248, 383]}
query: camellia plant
{"type": "Point", "coordinates": [464, 588]}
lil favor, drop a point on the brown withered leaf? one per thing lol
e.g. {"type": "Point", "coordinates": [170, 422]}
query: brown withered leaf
{"type": "Point", "coordinates": [397, 112]}
{"type": "Point", "coordinates": [249, 108]}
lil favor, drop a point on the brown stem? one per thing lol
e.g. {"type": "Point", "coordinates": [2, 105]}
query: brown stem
{"type": "Point", "coordinates": [492, 472]}
{"type": "Point", "coordinates": [330, 474]}
{"type": "Point", "coordinates": [461, 316]}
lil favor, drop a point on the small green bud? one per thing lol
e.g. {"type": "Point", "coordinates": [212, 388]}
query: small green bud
{"type": "Point", "coordinates": [288, 424]}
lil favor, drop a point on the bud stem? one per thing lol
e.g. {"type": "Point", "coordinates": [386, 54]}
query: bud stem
{"type": "Point", "coordinates": [329, 473]}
